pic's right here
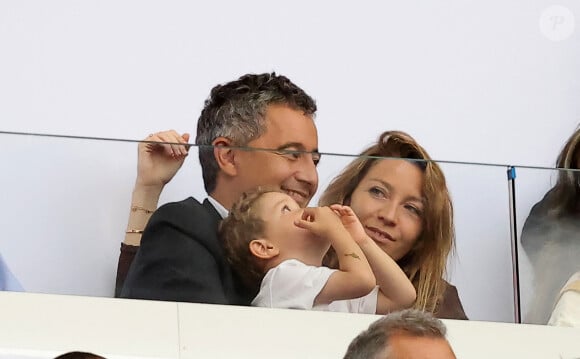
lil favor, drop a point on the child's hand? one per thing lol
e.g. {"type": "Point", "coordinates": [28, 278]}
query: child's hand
{"type": "Point", "coordinates": [351, 222]}
{"type": "Point", "coordinates": [321, 221]}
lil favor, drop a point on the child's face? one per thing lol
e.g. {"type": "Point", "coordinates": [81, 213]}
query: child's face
{"type": "Point", "coordinates": [279, 211]}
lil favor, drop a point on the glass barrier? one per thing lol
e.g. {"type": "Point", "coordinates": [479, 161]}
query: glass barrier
{"type": "Point", "coordinates": [549, 237]}
{"type": "Point", "coordinates": [66, 202]}
{"type": "Point", "coordinates": [482, 268]}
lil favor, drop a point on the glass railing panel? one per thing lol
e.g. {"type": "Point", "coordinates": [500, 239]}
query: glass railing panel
{"type": "Point", "coordinates": [482, 266]}
{"type": "Point", "coordinates": [66, 205]}
{"type": "Point", "coordinates": [548, 237]}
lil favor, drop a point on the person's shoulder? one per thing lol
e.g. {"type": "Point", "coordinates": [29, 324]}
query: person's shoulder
{"type": "Point", "coordinates": [289, 267]}
{"type": "Point", "coordinates": [188, 216]}
{"type": "Point", "coordinates": [567, 308]}
{"type": "Point", "coordinates": [187, 209]}
{"type": "Point", "coordinates": [573, 284]}
{"type": "Point", "coordinates": [284, 267]}
{"type": "Point", "coordinates": [449, 286]}
{"type": "Point", "coordinates": [449, 305]}
{"type": "Point", "coordinates": [291, 263]}
{"type": "Point", "coordinates": [295, 270]}
{"type": "Point", "coordinates": [189, 203]}
{"type": "Point", "coordinates": [575, 277]}
{"type": "Point", "coordinates": [450, 291]}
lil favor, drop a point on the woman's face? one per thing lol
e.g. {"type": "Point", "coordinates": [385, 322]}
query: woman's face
{"type": "Point", "coordinates": [389, 203]}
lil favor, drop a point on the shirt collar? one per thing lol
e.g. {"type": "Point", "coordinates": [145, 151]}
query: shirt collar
{"type": "Point", "coordinates": [222, 211]}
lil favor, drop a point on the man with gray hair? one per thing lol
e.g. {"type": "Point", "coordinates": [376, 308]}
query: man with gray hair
{"type": "Point", "coordinates": [409, 334]}
{"type": "Point", "coordinates": [255, 131]}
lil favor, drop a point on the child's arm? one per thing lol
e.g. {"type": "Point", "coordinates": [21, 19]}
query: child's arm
{"type": "Point", "coordinates": [396, 291]}
{"type": "Point", "coordinates": [354, 278]}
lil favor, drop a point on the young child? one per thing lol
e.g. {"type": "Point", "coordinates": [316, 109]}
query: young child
{"type": "Point", "coordinates": [275, 245]}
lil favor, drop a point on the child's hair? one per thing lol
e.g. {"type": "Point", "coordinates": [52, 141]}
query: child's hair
{"type": "Point", "coordinates": [242, 225]}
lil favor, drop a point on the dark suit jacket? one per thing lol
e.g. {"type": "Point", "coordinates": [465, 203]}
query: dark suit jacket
{"type": "Point", "coordinates": [181, 258]}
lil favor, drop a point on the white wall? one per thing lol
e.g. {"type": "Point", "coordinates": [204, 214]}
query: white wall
{"type": "Point", "coordinates": [472, 81]}
{"type": "Point", "coordinates": [36, 326]}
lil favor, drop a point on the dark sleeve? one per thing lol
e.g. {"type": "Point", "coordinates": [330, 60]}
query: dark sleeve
{"type": "Point", "coordinates": [450, 306]}
{"type": "Point", "coordinates": [178, 259]}
{"type": "Point", "coordinates": [125, 259]}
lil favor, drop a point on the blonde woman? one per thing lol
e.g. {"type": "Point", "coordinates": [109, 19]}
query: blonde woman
{"type": "Point", "coordinates": [404, 205]}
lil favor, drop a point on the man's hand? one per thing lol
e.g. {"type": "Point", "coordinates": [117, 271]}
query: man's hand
{"type": "Point", "coordinates": [158, 162]}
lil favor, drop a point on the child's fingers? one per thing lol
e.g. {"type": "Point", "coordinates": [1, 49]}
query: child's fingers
{"type": "Point", "coordinates": [339, 210]}
{"type": "Point", "coordinates": [343, 210]}
{"type": "Point", "coordinates": [348, 211]}
{"type": "Point", "coordinates": [336, 208]}
{"type": "Point", "coordinates": [309, 214]}
{"type": "Point", "coordinates": [304, 224]}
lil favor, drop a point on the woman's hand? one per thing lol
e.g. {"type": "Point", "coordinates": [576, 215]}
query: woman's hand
{"type": "Point", "coordinates": [157, 163]}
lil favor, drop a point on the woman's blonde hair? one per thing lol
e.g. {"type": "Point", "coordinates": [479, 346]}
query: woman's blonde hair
{"type": "Point", "coordinates": [426, 262]}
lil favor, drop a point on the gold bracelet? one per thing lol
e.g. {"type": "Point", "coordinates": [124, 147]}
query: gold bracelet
{"type": "Point", "coordinates": [139, 208]}
{"type": "Point", "coordinates": [136, 231]}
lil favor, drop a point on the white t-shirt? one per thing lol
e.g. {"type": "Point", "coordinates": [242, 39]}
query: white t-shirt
{"type": "Point", "coordinates": [295, 285]}
{"type": "Point", "coordinates": [567, 309]}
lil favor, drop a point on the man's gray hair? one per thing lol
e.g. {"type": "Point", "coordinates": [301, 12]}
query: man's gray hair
{"type": "Point", "coordinates": [374, 341]}
{"type": "Point", "coordinates": [236, 110]}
